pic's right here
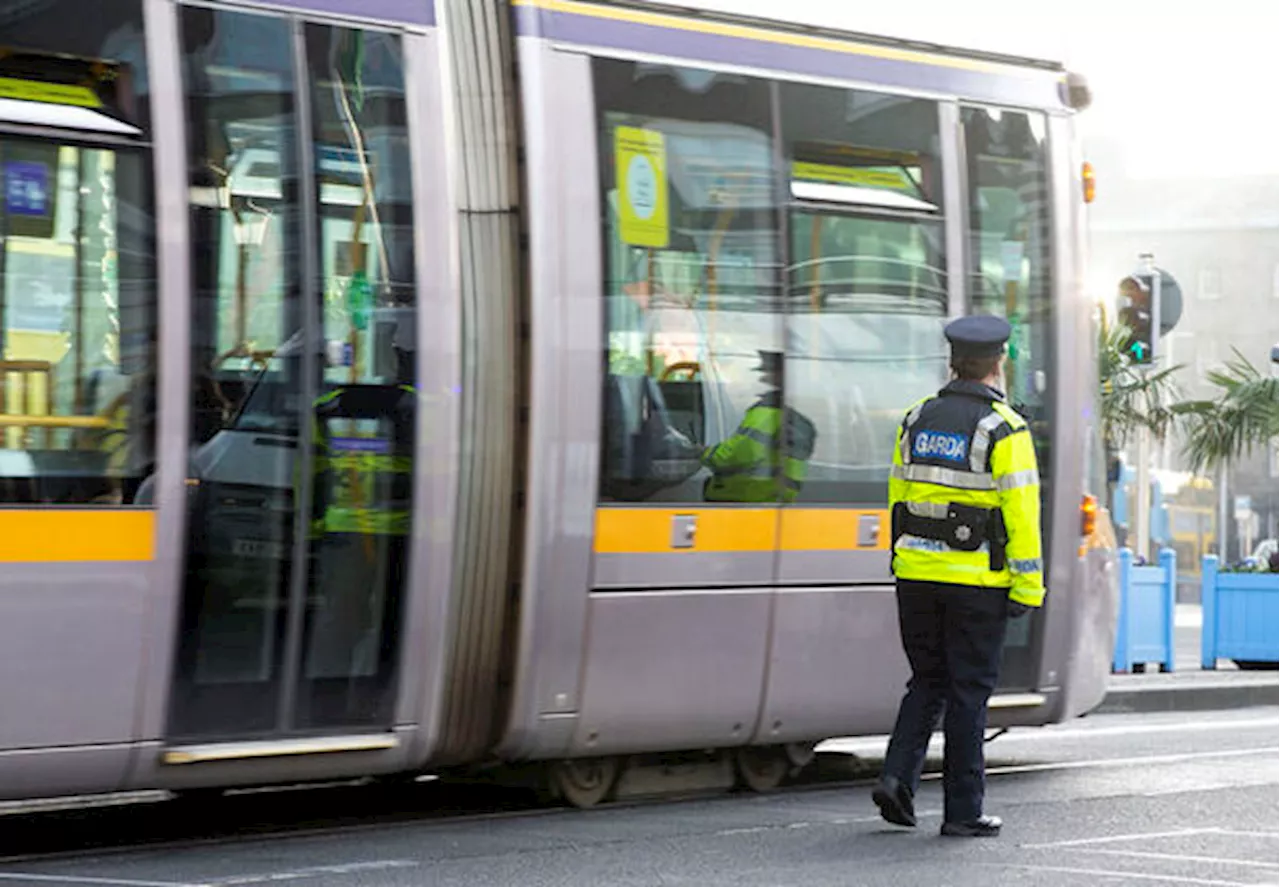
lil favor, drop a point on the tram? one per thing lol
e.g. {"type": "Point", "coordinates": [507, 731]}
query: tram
{"type": "Point", "coordinates": [533, 259]}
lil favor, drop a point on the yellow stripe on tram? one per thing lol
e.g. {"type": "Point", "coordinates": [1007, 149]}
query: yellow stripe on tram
{"type": "Point", "coordinates": [649, 530]}
{"type": "Point", "coordinates": [831, 529]}
{"type": "Point", "coordinates": [621, 530]}
{"type": "Point", "coordinates": [76, 535]}
{"type": "Point", "coordinates": [763, 35]}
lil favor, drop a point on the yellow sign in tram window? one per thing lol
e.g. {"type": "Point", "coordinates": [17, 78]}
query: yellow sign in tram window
{"type": "Point", "coordinates": [864, 177]}
{"type": "Point", "coordinates": [641, 160]}
{"type": "Point", "coordinates": [49, 93]}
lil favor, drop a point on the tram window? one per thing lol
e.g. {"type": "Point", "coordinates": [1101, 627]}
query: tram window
{"type": "Point", "coordinates": [77, 303]}
{"type": "Point", "coordinates": [77, 287]}
{"type": "Point", "coordinates": [242, 139]}
{"type": "Point", "coordinates": [80, 34]}
{"type": "Point", "coordinates": [365, 234]}
{"type": "Point", "coordinates": [866, 282]}
{"type": "Point", "coordinates": [691, 270]}
{"type": "Point", "coordinates": [246, 378]}
{"type": "Point", "coordinates": [1009, 251]}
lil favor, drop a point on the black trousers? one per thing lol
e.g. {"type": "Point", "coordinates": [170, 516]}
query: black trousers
{"type": "Point", "coordinates": [953, 636]}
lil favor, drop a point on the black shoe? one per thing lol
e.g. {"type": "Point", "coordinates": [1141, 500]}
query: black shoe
{"type": "Point", "coordinates": [895, 803]}
{"type": "Point", "coordinates": [982, 827]}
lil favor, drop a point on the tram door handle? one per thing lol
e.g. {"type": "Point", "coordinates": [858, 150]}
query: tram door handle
{"type": "Point", "coordinates": [868, 530]}
{"type": "Point", "coordinates": [684, 528]}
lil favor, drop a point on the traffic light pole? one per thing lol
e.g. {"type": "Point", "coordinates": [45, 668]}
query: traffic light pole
{"type": "Point", "coordinates": [1142, 519]}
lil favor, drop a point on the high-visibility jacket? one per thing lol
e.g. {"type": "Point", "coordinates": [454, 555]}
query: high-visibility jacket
{"type": "Point", "coordinates": [961, 454]}
{"type": "Point", "coordinates": [363, 483]}
{"type": "Point", "coordinates": [744, 465]}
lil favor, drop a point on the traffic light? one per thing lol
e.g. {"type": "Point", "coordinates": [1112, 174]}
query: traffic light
{"type": "Point", "coordinates": [1137, 312]}
{"type": "Point", "coordinates": [1150, 306]}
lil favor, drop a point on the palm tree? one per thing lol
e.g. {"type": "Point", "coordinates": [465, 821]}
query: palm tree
{"type": "Point", "coordinates": [1244, 414]}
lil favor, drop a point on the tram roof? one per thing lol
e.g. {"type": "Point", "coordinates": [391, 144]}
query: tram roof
{"type": "Point", "coordinates": [1010, 36]}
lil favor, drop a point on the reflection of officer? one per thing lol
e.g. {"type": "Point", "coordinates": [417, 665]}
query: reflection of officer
{"type": "Point", "coordinates": [362, 481]}
{"type": "Point", "coordinates": [744, 465]}
{"type": "Point", "coordinates": [965, 500]}
{"type": "Point", "coordinates": [1136, 312]}
{"type": "Point", "coordinates": [361, 513]}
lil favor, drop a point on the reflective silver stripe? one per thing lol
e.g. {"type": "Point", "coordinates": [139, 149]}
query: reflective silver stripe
{"type": "Point", "coordinates": [928, 509]}
{"type": "Point", "coordinates": [982, 441]}
{"type": "Point", "coordinates": [916, 543]}
{"type": "Point", "coordinates": [760, 437]}
{"type": "Point", "coordinates": [936, 546]}
{"type": "Point", "coordinates": [945, 477]}
{"type": "Point", "coordinates": [1018, 479]}
{"type": "Point", "coordinates": [905, 445]}
{"type": "Point", "coordinates": [1031, 565]}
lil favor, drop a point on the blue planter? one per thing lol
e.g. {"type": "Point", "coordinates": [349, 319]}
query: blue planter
{"type": "Point", "coordinates": [1241, 616]}
{"type": "Point", "coordinates": [1144, 629]}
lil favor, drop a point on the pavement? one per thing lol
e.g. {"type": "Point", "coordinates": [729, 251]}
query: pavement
{"type": "Point", "coordinates": [1169, 799]}
{"type": "Point", "coordinates": [1188, 687]}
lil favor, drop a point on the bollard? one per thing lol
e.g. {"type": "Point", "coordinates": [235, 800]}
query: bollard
{"type": "Point", "coordinates": [1209, 612]}
{"type": "Point", "coordinates": [1148, 602]}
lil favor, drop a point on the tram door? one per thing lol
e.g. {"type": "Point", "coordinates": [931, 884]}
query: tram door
{"type": "Point", "coordinates": [302, 377]}
{"type": "Point", "coordinates": [1010, 275]}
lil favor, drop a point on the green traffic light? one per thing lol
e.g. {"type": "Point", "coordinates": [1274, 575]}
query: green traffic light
{"type": "Point", "coordinates": [1138, 349]}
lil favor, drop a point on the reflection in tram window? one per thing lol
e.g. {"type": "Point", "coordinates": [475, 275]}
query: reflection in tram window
{"type": "Point", "coordinates": [292, 621]}
{"type": "Point", "coordinates": [246, 373]}
{"type": "Point", "coordinates": [691, 277]}
{"type": "Point", "coordinates": [1009, 251]}
{"type": "Point", "coordinates": [1010, 274]}
{"type": "Point", "coordinates": [77, 324]}
{"type": "Point", "coordinates": [363, 420]}
{"type": "Point", "coordinates": [867, 286]}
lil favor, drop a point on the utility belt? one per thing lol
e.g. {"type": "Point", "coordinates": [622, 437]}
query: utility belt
{"type": "Point", "coordinates": [965, 528]}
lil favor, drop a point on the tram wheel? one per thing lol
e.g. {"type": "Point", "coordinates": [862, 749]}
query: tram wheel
{"type": "Point", "coordinates": [800, 754]}
{"type": "Point", "coordinates": [762, 768]}
{"type": "Point", "coordinates": [584, 782]}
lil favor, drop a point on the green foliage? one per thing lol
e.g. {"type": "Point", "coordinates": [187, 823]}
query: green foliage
{"type": "Point", "coordinates": [1132, 396]}
{"type": "Point", "coordinates": [1244, 414]}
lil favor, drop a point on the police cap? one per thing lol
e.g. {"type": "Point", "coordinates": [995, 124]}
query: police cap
{"type": "Point", "coordinates": [980, 335]}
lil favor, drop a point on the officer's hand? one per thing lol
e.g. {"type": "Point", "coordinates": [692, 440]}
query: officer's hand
{"type": "Point", "coordinates": [1017, 609]}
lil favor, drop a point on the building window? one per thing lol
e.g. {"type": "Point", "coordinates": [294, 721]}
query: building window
{"type": "Point", "coordinates": [1210, 284]}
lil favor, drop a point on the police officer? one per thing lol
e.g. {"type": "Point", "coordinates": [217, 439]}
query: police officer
{"type": "Point", "coordinates": [964, 495]}
{"type": "Point", "coordinates": [744, 464]}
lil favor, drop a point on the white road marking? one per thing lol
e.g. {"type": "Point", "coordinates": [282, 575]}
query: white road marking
{"type": "Point", "coordinates": [312, 871]}
{"type": "Point", "coordinates": [1111, 839]}
{"type": "Point", "coordinates": [88, 879]}
{"type": "Point", "coordinates": [1181, 857]}
{"type": "Point", "coordinates": [1136, 876]}
{"type": "Point", "coordinates": [233, 881]}
{"type": "Point", "coordinates": [841, 821]}
{"type": "Point", "coordinates": [1048, 734]}
{"type": "Point", "coordinates": [1229, 831]}
{"type": "Point", "coordinates": [1124, 762]}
